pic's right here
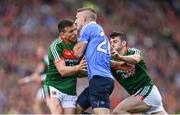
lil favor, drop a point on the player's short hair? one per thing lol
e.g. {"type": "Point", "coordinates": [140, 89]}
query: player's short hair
{"type": "Point", "coordinates": [64, 23]}
{"type": "Point", "coordinates": [121, 35]}
{"type": "Point", "coordinates": [93, 14]}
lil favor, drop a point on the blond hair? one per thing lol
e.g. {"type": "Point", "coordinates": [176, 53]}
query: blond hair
{"type": "Point", "coordinates": [92, 13]}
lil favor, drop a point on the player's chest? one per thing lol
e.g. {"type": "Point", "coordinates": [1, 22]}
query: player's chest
{"type": "Point", "coordinates": [69, 57]}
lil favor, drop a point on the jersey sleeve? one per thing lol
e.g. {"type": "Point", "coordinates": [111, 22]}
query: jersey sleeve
{"type": "Point", "coordinates": [85, 34]}
{"type": "Point", "coordinates": [55, 53]}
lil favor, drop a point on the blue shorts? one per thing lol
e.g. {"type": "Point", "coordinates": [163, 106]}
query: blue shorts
{"type": "Point", "coordinates": [97, 94]}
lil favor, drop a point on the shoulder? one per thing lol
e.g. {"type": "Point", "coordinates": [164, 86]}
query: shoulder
{"type": "Point", "coordinates": [90, 26]}
{"type": "Point", "coordinates": [95, 26]}
{"type": "Point", "coordinates": [134, 51]}
{"type": "Point", "coordinates": [56, 43]}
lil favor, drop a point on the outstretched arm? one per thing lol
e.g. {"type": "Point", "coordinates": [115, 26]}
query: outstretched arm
{"type": "Point", "coordinates": [132, 59]}
{"type": "Point", "coordinates": [35, 76]}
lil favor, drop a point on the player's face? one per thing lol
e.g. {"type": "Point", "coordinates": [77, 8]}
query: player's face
{"type": "Point", "coordinates": [70, 34]}
{"type": "Point", "coordinates": [79, 22]}
{"type": "Point", "coordinates": [116, 43]}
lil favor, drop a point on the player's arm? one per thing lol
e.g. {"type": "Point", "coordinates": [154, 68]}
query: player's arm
{"type": "Point", "coordinates": [121, 65]}
{"type": "Point", "coordinates": [69, 70]}
{"type": "Point", "coordinates": [116, 64]}
{"type": "Point", "coordinates": [79, 49]}
{"type": "Point", "coordinates": [35, 76]}
{"type": "Point", "coordinates": [132, 59]}
{"type": "Point", "coordinates": [81, 45]}
{"type": "Point", "coordinates": [83, 73]}
{"type": "Point", "coordinates": [37, 73]}
{"type": "Point", "coordinates": [40, 67]}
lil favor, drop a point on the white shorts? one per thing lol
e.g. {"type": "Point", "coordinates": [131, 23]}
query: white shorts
{"type": "Point", "coordinates": [153, 99]}
{"type": "Point", "coordinates": [40, 94]}
{"type": "Point", "coordinates": [67, 101]}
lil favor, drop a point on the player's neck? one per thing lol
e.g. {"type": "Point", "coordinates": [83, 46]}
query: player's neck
{"type": "Point", "coordinates": [89, 21]}
{"type": "Point", "coordinates": [65, 41]}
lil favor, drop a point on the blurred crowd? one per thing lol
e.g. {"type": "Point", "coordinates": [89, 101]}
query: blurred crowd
{"type": "Point", "coordinates": [151, 26]}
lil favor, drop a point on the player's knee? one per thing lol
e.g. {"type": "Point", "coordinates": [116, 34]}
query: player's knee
{"type": "Point", "coordinates": [56, 109]}
{"type": "Point", "coordinates": [54, 106]}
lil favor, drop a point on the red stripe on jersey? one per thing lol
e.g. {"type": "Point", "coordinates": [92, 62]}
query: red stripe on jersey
{"type": "Point", "coordinates": [139, 97]}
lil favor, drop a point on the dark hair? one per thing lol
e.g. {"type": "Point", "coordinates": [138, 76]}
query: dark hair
{"type": "Point", "coordinates": [93, 16]}
{"type": "Point", "coordinates": [64, 23]}
{"type": "Point", "coordinates": [122, 35]}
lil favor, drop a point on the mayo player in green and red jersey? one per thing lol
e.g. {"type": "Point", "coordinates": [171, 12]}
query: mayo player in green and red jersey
{"type": "Point", "coordinates": [144, 95]}
{"type": "Point", "coordinates": [60, 83]}
{"type": "Point", "coordinates": [38, 76]}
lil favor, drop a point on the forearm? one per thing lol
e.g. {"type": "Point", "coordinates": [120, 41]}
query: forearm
{"type": "Point", "coordinates": [28, 79]}
{"type": "Point", "coordinates": [77, 52]}
{"type": "Point", "coordinates": [68, 70]}
{"type": "Point", "coordinates": [131, 59]}
{"type": "Point", "coordinates": [79, 49]}
{"type": "Point", "coordinates": [116, 64]}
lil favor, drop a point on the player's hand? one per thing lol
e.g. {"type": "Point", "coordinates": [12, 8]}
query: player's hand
{"type": "Point", "coordinates": [131, 70]}
{"type": "Point", "coordinates": [128, 68]}
{"type": "Point", "coordinates": [82, 65]}
{"type": "Point", "coordinates": [115, 54]}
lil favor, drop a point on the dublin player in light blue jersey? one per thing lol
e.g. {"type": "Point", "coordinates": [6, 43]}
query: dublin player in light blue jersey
{"type": "Point", "coordinates": [95, 45]}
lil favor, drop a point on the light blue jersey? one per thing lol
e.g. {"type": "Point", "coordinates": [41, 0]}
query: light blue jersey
{"type": "Point", "coordinates": [97, 53]}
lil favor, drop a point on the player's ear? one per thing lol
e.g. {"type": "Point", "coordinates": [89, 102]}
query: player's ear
{"type": "Point", "coordinates": [85, 18]}
{"type": "Point", "coordinates": [62, 35]}
{"type": "Point", "coordinates": [124, 43]}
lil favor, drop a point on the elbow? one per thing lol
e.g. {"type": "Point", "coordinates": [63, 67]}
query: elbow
{"type": "Point", "coordinates": [135, 62]}
{"type": "Point", "coordinates": [62, 73]}
{"type": "Point", "coordinates": [137, 59]}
